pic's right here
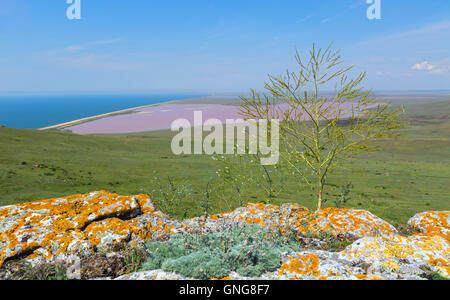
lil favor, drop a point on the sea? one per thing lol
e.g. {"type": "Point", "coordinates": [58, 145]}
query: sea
{"type": "Point", "coordinates": [33, 112]}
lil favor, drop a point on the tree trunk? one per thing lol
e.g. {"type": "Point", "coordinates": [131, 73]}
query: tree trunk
{"type": "Point", "coordinates": [319, 200]}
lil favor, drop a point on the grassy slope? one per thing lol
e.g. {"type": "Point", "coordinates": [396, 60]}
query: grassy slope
{"type": "Point", "coordinates": [411, 175]}
{"type": "Point", "coordinates": [437, 112]}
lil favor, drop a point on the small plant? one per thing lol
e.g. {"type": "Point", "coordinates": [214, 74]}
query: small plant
{"type": "Point", "coordinates": [133, 259]}
{"type": "Point", "coordinates": [205, 203]}
{"type": "Point", "coordinates": [344, 195]}
{"type": "Point", "coordinates": [238, 171]}
{"type": "Point", "coordinates": [233, 171]}
{"type": "Point", "coordinates": [437, 276]}
{"type": "Point", "coordinates": [407, 230]}
{"type": "Point", "coordinates": [170, 192]}
{"type": "Point", "coordinates": [45, 271]}
{"type": "Point", "coordinates": [60, 273]}
{"type": "Point", "coordinates": [269, 179]}
{"type": "Point", "coordinates": [248, 250]}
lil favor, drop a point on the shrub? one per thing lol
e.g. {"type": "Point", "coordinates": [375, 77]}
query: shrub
{"type": "Point", "coordinates": [248, 250]}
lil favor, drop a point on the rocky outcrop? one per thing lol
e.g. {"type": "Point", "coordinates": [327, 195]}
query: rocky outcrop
{"type": "Point", "coordinates": [432, 221]}
{"type": "Point", "coordinates": [388, 257]}
{"type": "Point", "coordinates": [401, 255]}
{"type": "Point", "coordinates": [298, 219]}
{"type": "Point", "coordinates": [78, 225]}
{"type": "Point", "coordinates": [81, 225]}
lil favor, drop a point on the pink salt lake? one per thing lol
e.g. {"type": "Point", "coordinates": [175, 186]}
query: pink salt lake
{"type": "Point", "coordinates": [156, 118]}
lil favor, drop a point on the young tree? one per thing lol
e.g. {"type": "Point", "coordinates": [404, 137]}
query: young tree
{"type": "Point", "coordinates": [318, 130]}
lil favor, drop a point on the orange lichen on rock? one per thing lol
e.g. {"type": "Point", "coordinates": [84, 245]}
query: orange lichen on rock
{"type": "Point", "coordinates": [82, 224]}
{"type": "Point", "coordinates": [63, 225]}
{"type": "Point", "coordinates": [299, 266]}
{"type": "Point", "coordinates": [395, 252]}
{"type": "Point", "coordinates": [320, 265]}
{"type": "Point", "coordinates": [372, 258]}
{"type": "Point", "coordinates": [107, 232]}
{"type": "Point", "coordinates": [295, 218]}
{"type": "Point", "coordinates": [368, 277]}
{"type": "Point", "coordinates": [358, 223]}
{"type": "Point", "coordinates": [432, 221]}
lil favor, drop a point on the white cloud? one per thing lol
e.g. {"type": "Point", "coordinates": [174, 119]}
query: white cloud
{"type": "Point", "coordinates": [429, 68]}
{"type": "Point", "coordinates": [424, 66]}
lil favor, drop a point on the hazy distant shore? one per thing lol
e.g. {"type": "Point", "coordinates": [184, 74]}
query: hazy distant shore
{"type": "Point", "coordinates": [162, 116]}
{"type": "Point", "coordinates": [93, 118]}
{"type": "Point", "coordinates": [159, 116]}
{"type": "Point", "coordinates": [200, 100]}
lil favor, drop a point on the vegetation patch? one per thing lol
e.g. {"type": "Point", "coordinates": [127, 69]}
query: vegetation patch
{"type": "Point", "coordinates": [248, 250]}
{"type": "Point", "coordinates": [437, 276]}
{"type": "Point", "coordinates": [328, 241]}
{"type": "Point", "coordinates": [119, 260]}
{"type": "Point", "coordinates": [19, 270]}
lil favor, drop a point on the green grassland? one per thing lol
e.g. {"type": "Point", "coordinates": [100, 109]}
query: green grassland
{"type": "Point", "coordinates": [410, 175]}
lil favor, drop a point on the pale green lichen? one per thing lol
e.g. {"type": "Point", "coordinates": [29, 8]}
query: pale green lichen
{"type": "Point", "coordinates": [248, 250]}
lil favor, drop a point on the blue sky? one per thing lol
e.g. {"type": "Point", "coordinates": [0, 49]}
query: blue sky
{"type": "Point", "coordinates": [215, 45]}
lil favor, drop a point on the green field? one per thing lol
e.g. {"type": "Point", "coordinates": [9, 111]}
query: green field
{"type": "Point", "coordinates": [411, 174]}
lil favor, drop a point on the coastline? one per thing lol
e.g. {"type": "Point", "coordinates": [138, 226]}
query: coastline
{"type": "Point", "coordinates": [110, 114]}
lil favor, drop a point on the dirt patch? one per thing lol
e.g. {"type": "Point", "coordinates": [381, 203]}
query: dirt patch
{"type": "Point", "coordinates": [121, 259]}
{"type": "Point", "coordinates": [327, 242]}
{"type": "Point", "coordinates": [18, 270]}
{"type": "Point", "coordinates": [407, 230]}
{"type": "Point", "coordinates": [98, 266]}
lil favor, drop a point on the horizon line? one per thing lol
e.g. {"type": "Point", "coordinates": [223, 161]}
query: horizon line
{"type": "Point", "coordinates": [197, 92]}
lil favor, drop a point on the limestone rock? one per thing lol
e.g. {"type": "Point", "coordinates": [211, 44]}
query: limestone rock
{"type": "Point", "coordinates": [77, 225]}
{"type": "Point", "coordinates": [151, 275]}
{"type": "Point", "coordinates": [321, 265]}
{"type": "Point", "coordinates": [395, 254]}
{"type": "Point", "coordinates": [67, 228]}
{"type": "Point", "coordinates": [298, 219]}
{"type": "Point", "coordinates": [103, 234]}
{"type": "Point", "coordinates": [388, 257]}
{"type": "Point", "coordinates": [432, 221]}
